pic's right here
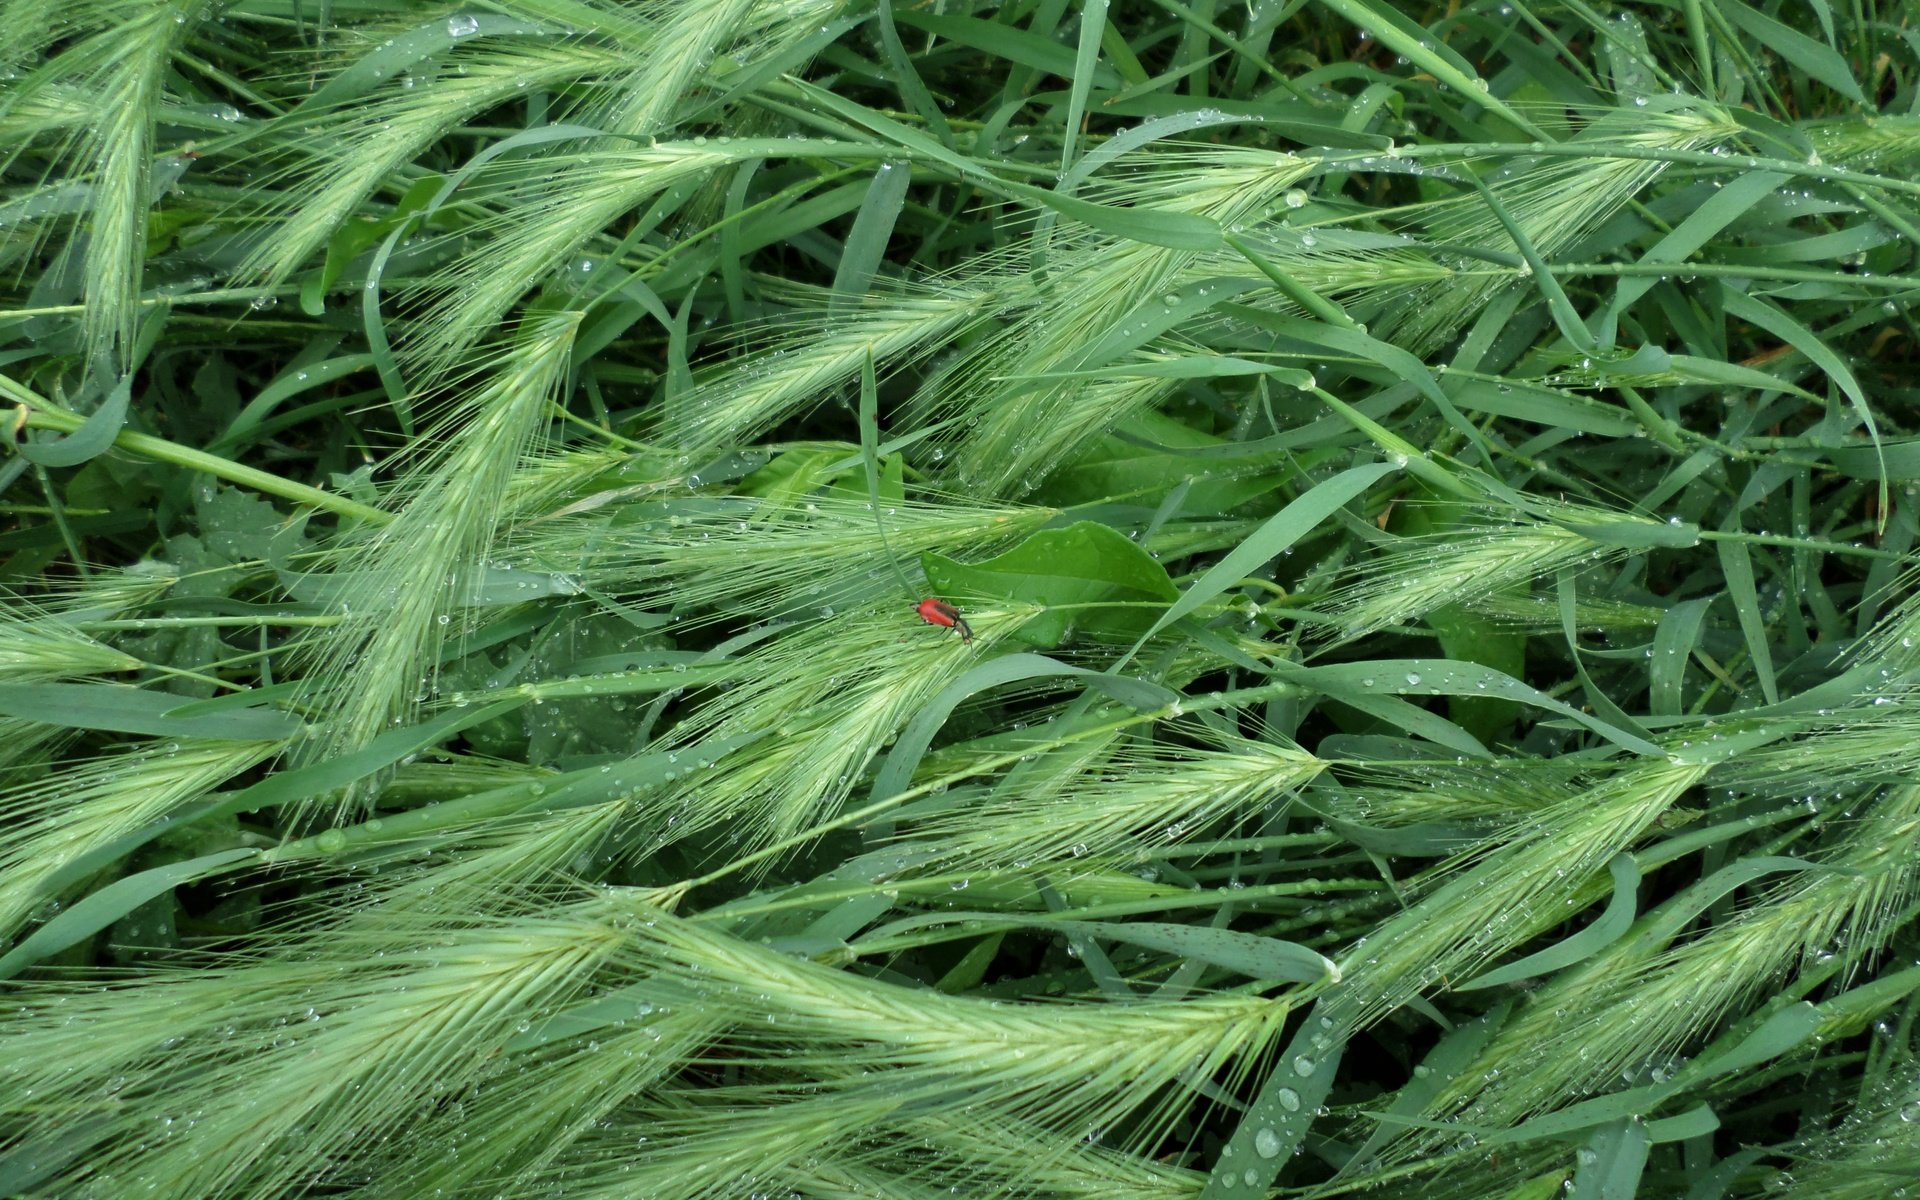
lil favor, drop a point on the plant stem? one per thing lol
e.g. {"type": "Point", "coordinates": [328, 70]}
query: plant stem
{"type": "Point", "coordinates": [44, 414]}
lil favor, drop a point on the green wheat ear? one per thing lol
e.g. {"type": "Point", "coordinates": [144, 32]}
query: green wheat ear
{"type": "Point", "coordinates": [484, 718]}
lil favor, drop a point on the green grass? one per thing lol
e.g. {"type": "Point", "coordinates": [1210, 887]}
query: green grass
{"type": "Point", "coordinates": [1432, 489]}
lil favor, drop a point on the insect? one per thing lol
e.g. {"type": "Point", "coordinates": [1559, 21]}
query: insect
{"type": "Point", "coordinates": [939, 612]}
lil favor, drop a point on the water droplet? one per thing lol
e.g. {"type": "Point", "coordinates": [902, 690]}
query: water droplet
{"type": "Point", "coordinates": [1289, 1099]}
{"type": "Point", "coordinates": [1266, 1143]}
{"type": "Point", "coordinates": [463, 25]}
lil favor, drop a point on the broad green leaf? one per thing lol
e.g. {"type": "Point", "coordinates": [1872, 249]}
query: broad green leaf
{"type": "Point", "coordinates": [1092, 579]}
{"type": "Point", "coordinates": [1609, 1165]}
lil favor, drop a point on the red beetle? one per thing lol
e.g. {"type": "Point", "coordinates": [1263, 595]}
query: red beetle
{"type": "Point", "coordinates": [939, 612]}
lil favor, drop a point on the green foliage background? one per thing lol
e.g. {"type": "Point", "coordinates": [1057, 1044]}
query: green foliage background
{"type": "Point", "coordinates": [1431, 489]}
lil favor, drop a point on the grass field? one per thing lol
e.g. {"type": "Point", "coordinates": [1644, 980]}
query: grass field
{"type": "Point", "coordinates": [1077, 599]}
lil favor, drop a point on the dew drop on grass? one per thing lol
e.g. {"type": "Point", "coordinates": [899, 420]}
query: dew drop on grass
{"type": "Point", "coordinates": [1413, 678]}
{"type": "Point", "coordinates": [1266, 1143]}
{"type": "Point", "coordinates": [1289, 1099]}
{"type": "Point", "coordinates": [1302, 1065]}
{"type": "Point", "coordinates": [463, 25]}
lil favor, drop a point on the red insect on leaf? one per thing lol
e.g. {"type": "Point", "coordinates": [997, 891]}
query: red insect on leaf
{"type": "Point", "coordinates": [939, 612]}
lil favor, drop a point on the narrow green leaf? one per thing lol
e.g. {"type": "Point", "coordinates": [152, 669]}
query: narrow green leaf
{"type": "Point", "coordinates": [1457, 1051]}
{"type": "Point", "coordinates": [1450, 677]}
{"type": "Point", "coordinates": [1607, 929]}
{"type": "Point", "coordinates": [1673, 643]}
{"type": "Point", "coordinates": [1736, 566]}
{"type": "Point", "coordinates": [119, 708]}
{"type": "Point", "coordinates": [1571, 326]}
{"type": "Point", "coordinates": [1093, 27]}
{"type": "Point", "coordinates": [1697, 1121]}
{"type": "Point", "coordinates": [330, 775]}
{"type": "Point", "coordinates": [1249, 954]}
{"type": "Point", "coordinates": [96, 911]}
{"type": "Point", "coordinates": [1277, 1121]}
{"type": "Point", "coordinates": [1402, 364]}
{"type": "Point", "coordinates": [1821, 62]}
{"type": "Point", "coordinates": [1775, 1036]}
{"type": "Point", "coordinates": [1157, 227]}
{"type": "Point", "coordinates": [391, 58]}
{"type": "Point", "coordinates": [1006, 41]}
{"type": "Point", "coordinates": [1637, 535]}
{"type": "Point", "coordinates": [866, 243]}
{"type": "Point", "coordinates": [1542, 406]}
{"type": "Point", "coordinates": [1400, 34]}
{"type": "Point", "coordinates": [1777, 322]}
{"type": "Point", "coordinates": [912, 744]}
{"type": "Point", "coordinates": [89, 441]}
{"type": "Point", "coordinates": [1275, 534]}
{"type": "Point", "coordinates": [907, 79]}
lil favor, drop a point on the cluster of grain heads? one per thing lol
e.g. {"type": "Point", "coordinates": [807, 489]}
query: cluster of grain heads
{"type": "Point", "coordinates": [266, 1076]}
{"type": "Point", "coordinates": [271, 1074]}
{"type": "Point", "coordinates": [401, 584]}
{"type": "Point", "coordinates": [1136, 802]}
{"type": "Point", "coordinates": [51, 824]}
{"type": "Point", "coordinates": [1418, 575]}
{"type": "Point", "coordinates": [1021, 399]}
{"type": "Point", "coordinates": [1638, 1010]}
{"type": "Point", "coordinates": [1553, 200]}
{"type": "Point", "coordinates": [765, 558]}
{"type": "Point", "coordinates": [825, 697]}
{"type": "Point", "coordinates": [118, 55]}
{"type": "Point", "coordinates": [800, 362]}
{"type": "Point", "coordinates": [1515, 887]}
